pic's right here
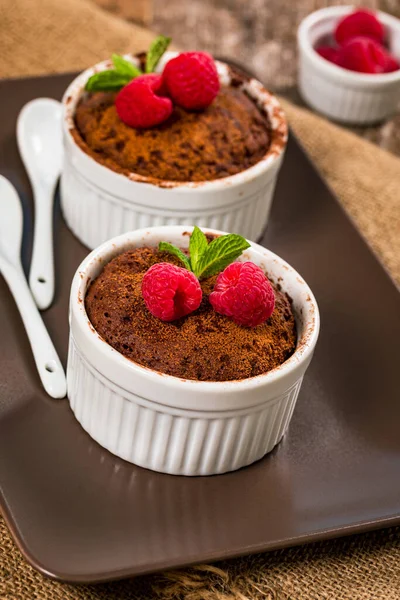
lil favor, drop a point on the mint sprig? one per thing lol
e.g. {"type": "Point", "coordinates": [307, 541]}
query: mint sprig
{"type": "Point", "coordinates": [125, 67]}
{"type": "Point", "coordinates": [197, 247]}
{"type": "Point", "coordinates": [220, 253]}
{"type": "Point", "coordinates": [107, 81]}
{"type": "Point", "coordinates": [207, 259]}
{"type": "Point", "coordinates": [156, 50]}
{"type": "Point", "coordinates": [167, 247]}
{"type": "Point", "coordinates": [112, 80]}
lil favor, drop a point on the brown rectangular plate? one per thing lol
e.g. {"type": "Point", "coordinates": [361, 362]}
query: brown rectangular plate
{"type": "Point", "coordinates": [80, 514]}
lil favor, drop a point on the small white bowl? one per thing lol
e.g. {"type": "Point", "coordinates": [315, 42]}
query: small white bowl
{"type": "Point", "coordinates": [174, 425]}
{"type": "Point", "coordinates": [340, 94]}
{"type": "Point", "coordinates": [99, 203]}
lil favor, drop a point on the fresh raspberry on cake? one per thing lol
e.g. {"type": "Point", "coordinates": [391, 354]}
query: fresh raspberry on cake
{"type": "Point", "coordinates": [170, 292]}
{"type": "Point", "coordinates": [360, 23]}
{"type": "Point", "coordinates": [243, 293]}
{"type": "Point", "coordinates": [192, 80]}
{"type": "Point", "coordinates": [138, 104]}
{"type": "Point", "coordinates": [364, 55]}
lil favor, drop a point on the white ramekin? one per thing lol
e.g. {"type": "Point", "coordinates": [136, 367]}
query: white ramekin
{"type": "Point", "coordinates": [174, 425]}
{"type": "Point", "coordinates": [342, 95]}
{"type": "Point", "coordinates": [99, 203]}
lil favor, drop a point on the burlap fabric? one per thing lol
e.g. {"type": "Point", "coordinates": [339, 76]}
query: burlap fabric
{"type": "Point", "coordinates": [48, 36]}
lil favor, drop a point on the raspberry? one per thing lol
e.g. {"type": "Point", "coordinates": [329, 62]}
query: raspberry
{"type": "Point", "coordinates": [170, 292]}
{"type": "Point", "coordinates": [243, 293]}
{"type": "Point", "coordinates": [328, 53]}
{"type": "Point", "coordinates": [139, 106]}
{"type": "Point", "coordinates": [363, 55]}
{"type": "Point", "coordinates": [359, 23]}
{"type": "Point", "coordinates": [192, 80]}
{"type": "Point", "coordinates": [391, 64]}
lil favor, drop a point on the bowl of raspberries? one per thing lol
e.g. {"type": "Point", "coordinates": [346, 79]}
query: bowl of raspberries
{"type": "Point", "coordinates": [349, 64]}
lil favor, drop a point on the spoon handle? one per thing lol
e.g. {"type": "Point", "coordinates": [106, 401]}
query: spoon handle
{"type": "Point", "coordinates": [48, 364]}
{"type": "Point", "coordinates": [41, 275]}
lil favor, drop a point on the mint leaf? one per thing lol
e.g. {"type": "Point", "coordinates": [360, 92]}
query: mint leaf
{"type": "Point", "coordinates": [208, 259]}
{"type": "Point", "coordinates": [167, 247]}
{"type": "Point", "coordinates": [220, 253]}
{"type": "Point", "coordinates": [112, 80]}
{"type": "Point", "coordinates": [107, 81]}
{"type": "Point", "coordinates": [125, 67]}
{"type": "Point", "coordinates": [197, 246]}
{"type": "Point", "coordinates": [156, 50]}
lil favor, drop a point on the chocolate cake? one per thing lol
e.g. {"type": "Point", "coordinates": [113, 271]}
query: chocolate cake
{"type": "Point", "coordinates": [203, 346]}
{"type": "Point", "coordinates": [229, 136]}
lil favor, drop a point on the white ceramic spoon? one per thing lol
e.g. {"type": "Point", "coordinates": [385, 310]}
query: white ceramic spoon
{"type": "Point", "coordinates": [40, 145]}
{"type": "Point", "coordinates": [48, 364]}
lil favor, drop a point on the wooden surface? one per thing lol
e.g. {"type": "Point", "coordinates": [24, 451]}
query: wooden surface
{"type": "Point", "coordinates": [260, 33]}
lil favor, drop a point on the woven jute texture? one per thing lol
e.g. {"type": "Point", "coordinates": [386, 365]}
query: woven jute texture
{"type": "Point", "coordinates": [364, 567]}
{"type": "Point", "coordinates": [54, 36]}
{"type": "Point", "coordinates": [49, 36]}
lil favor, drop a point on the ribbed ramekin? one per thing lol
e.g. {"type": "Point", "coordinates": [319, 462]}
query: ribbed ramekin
{"type": "Point", "coordinates": [99, 203]}
{"type": "Point", "coordinates": [340, 94]}
{"type": "Point", "coordinates": [174, 425]}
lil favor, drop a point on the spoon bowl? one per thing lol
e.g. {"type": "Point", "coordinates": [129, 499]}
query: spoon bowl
{"type": "Point", "coordinates": [39, 139]}
{"type": "Point", "coordinates": [11, 221]}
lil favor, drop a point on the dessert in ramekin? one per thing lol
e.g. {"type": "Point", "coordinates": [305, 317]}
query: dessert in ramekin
{"type": "Point", "coordinates": [231, 154]}
{"type": "Point", "coordinates": [171, 423]}
{"type": "Point", "coordinates": [340, 94]}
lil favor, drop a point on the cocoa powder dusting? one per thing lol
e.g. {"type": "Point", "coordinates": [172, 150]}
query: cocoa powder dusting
{"type": "Point", "coordinates": [203, 346]}
{"type": "Point", "coordinates": [229, 136]}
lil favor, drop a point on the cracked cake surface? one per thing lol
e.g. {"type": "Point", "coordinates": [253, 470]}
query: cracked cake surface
{"type": "Point", "coordinates": [204, 345]}
{"type": "Point", "coordinates": [231, 135]}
